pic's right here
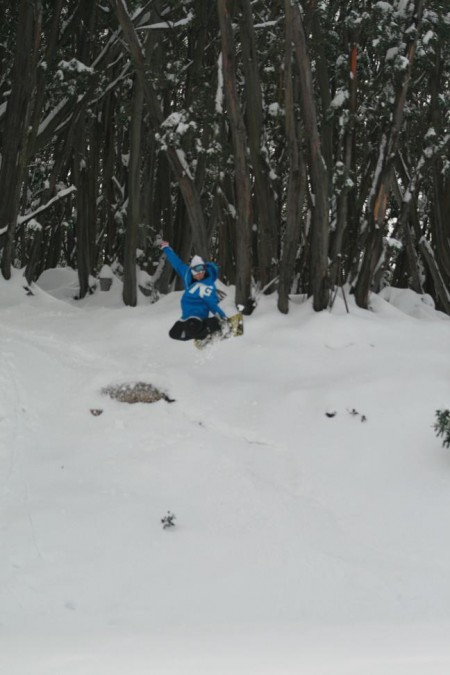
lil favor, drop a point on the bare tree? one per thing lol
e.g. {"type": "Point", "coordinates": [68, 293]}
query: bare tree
{"type": "Point", "coordinates": [382, 180]}
{"type": "Point", "coordinates": [239, 139]}
{"type": "Point", "coordinates": [18, 116]}
{"type": "Point", "coordinates": [134, 198]}
{"type": "Point", "coordinates": [296, 186]}
{"type": "Point", "coordinates": [317, 167]}
{"type": "Point", "coordinates": [265, 212]}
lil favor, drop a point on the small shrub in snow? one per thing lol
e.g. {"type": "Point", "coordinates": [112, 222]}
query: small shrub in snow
{"type": "Point", "coordinates": [141, 392]}
{"type": "Point", "coordinates": [354, 413]}
{"type": "Point", "coordinates": [168, 521]}
{"type": "Point", "coordinates": [96, 412]}
{"type": "Point", "coordinates": [442, 426]}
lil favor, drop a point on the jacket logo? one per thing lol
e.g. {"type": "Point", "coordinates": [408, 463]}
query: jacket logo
{"type": "Point", "coordinates": [201, 289]}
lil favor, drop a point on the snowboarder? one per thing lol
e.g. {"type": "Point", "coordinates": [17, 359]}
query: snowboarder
{"type": "Point", "coordinates": [199, 300]}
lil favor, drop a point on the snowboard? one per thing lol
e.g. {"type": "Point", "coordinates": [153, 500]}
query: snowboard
{"type": "Point", "coordinates": [232, 327]}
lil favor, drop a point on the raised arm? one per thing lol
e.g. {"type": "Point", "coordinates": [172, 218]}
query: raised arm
{"type": "Point", "coordinates": [178, 265]}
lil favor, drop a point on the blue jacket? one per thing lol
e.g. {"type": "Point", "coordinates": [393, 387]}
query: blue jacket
{"type": "Point", "coordinates": [200, 297]}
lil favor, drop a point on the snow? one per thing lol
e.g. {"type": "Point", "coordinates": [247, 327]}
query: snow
{"type": "Point", "coordinates": [303, 543]}
{"type": "Point", "coordinates": [51, 116]}
{"type": "Point", "coordinates": [265, 24]}
{"type": "Point", "coordinates": [384, 6]}
{"type": "Point", "coordinates": [391, 53]}
{"type": "Point", "coordinates": [219, 91]}
{"type": "Point", "coordinates": [177, 122]}
{"type": "Point", "coordinates": [75, 66]}
{"type": "Point", "coordinates": [275, 110]}
{"type": "Point", "coordinates": [340, 98]}
{"type": "Point", "coordinates": [34, 224]}
{"type": "Point", "coordinates": [170, 24]}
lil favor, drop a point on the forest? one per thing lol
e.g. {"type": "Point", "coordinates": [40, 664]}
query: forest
{"type": "Point", "coordinates": [303, 145]}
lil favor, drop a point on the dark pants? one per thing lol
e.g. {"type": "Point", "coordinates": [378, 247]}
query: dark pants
{"type": "Point", "coordinates": [194, 328]}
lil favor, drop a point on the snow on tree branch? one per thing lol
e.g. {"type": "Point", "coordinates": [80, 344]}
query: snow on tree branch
{"type": "Point", "coordinates": [219, 91]}
{"type": "Point", "coordinates": [60, 195]}
{"type": "Point", "coordinates": [169, 24]}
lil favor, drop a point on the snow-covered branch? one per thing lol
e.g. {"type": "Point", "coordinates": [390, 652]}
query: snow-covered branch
{"type": "Point", "coordinates": [60, 195]}
{"type": "Point", "coordinates": [168, 24]}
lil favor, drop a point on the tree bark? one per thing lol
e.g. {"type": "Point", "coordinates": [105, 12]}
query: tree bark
{"type": "Point", "coordinates": [264, 193]}
{"type": "Point", "coordinates": [318, 171]}
{"type": "Point", "coordinates": [33, 258]}
{"type": "Point", "coordinates": [242, 177]}
{"type": "Point", "coordinates": [347, 151]}
{"type": "Point", "coordinates": [296, 188]}
{"type": "Point", "coordinates": [84, 160]}
{"type": "Point", "coordinates": [18, 115]}
{"type": "Point", "coordinates": [109, 156]}
{"type": "Point", "coordinates": [439, 284]}
{"type": "Point", "coordinates": [323, 78]}
{"type": "Point", "coordinates": [83, 225]}
{"type": "Point", "coordinates": [407, 204]}
{"type": "Point", "coordinates": [134, 198]}
{"type": "Point", "coordinates": [441, 183]}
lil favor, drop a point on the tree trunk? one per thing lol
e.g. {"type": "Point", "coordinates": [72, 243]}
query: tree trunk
{"type": "Point", "coordinates": [439, 220]}
{"type": "Point", "coordinates": [134, 199]}
{"type": "Point", "coordinates": [109, 155]}
{"type": "Point", "coordinates": [318, 172]}
{"type": "Point", "coordinates": [296, 189]}
{"type": "Point", "coordinates": [51, 41]}
{"type": "Point", "coordinates": [227, 228]}
{"type": "Point", "coordinates": [323, 77]}
{"type": "Point", "coordinates": [82, 227]}
{"type": "Point", "coordinates": [239, 140]}
{"type": "Point", "coordinates": [441, 183]}
{"type": "Point", "coordinates": [378, 198]}
{"type": "Point", "coordinates": [407, 204]}
{"type": "Point", "coordinates": [33, 258]}
{"type": "Point", "coordinates": [347, 152]}
{"type": "Point", "coordinates": [439, 284]}
{"type": "Point", "coordinates": [18, 115]}
{"type": "Point", "coordinates": [264, 193]}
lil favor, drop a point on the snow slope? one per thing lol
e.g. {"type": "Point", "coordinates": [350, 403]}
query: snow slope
{"type": "Point", "coordinates": [312, 498]}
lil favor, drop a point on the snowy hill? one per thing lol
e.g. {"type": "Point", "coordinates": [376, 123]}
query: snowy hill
{"type": "Point", "coordinates": [312, 498]}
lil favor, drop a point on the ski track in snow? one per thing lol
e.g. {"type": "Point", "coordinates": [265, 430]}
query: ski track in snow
{"type": "Point", "coordinates": [10, 405]}
{"type": "Point", "coordinates": [18, 431]}
{"type": "Point", "coordinates": [30, 403]}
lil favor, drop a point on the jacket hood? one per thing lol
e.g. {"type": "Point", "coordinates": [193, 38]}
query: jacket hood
{"type": "Point", "coordinates": [212, 273]}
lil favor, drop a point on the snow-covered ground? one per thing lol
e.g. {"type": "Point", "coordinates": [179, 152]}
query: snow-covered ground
{"type": "Point", "coordinates": [305, 542]}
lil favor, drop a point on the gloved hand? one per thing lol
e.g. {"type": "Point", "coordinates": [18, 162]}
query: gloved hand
{"type": "Point", "coordinates": [159, 242]}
